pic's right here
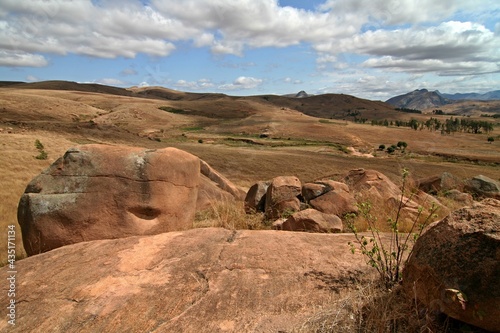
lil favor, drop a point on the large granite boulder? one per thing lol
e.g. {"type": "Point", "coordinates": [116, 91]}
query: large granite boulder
{"type": "Point", "coordinates": [483, 186]}
{"type": "Point", "coordinates": [101, 191]}
{"type": "Point", "coordinates": [455, 266]}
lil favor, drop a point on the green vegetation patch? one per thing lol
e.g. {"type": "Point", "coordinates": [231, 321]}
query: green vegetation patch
{"type": "Point", "coordinates": [172, 110]}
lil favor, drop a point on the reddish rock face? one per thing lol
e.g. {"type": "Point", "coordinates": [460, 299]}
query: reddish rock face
{"type": "Point", "coordinates": [255, 200]}
{"type": "Point", "coordinates": [100, 192]}
{"type": "Point", "coordinates": [338, 201]}
{"type": "Point", "coordinates": [200, 280]}
{"type": "Point", "coordinates": [282, 196]}
{"type": "Point", "coordinates": [460, 254]}
{"type": "Point", "coordinates": [313, 221]}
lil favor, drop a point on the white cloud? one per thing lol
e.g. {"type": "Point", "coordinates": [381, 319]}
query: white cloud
{"type": "Point", "coordinates": [31, 78]}
{"type": "Point", "coordinates": [110, 82]}
{"type": "Point", "coordinates": [451, 48]}
{"type": "Point", "coordinates": [21, 59]}
{"type": "Point", "coordinates": [128, 71]}
{"type": "Point", "coordinates": [242, 82]}
{"type": "Point", "coordinates": [194, 85]}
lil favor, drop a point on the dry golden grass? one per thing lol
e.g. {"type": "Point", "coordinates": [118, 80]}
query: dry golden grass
{"type": "Point", "coordinates": [370, 308]}
{"type": "Point", "coordinates": [18, 167]}
{"type": "Point", "coordinates": [229, 215]}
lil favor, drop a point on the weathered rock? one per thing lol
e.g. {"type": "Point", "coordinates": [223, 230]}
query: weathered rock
{"type": "Point", "coordinates": [210, 193]}
{"type": "Point", "coordinates": [201, 280]}
{"type": "Point", "coordinates": [374, 187]}
{"type": "Point", "coordinates": [221, 181]}
{"type": "Point", "coordinates": [312, 220]}
{"type": "Point", "coordinates": [483, 186]}
{"type": "Point", "coordinates": [255, 200]}
{"type": "Point", "coordinates": [435, 184]}
{"type": "Point", "coordinates": [282, 196]}
{"type": "Point", "coordinates": [311, 191]}
{"type": "Point", "coordinates": [336, 202]}
{"type": "Point", "coordinates": [460, 254]}
{"type": "Point", "coordinates": [100, 192]}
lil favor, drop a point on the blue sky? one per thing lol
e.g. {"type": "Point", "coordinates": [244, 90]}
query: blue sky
{"type": "Point", "coordinates": [373, 49]}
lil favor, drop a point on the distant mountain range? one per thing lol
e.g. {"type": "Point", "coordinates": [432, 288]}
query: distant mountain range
{"type": "Point", "coordinates": [421, 99]}
{"type": "Point", "coordinates": [300, 94]}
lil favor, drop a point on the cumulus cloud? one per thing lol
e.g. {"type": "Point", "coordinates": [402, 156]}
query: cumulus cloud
{"type": "Point", "coordinates": [22, 59]}
{"type": "Point", "coordinates": [400, 35]}
{"type": "Point", "coordinates": [242, 82]}
{"type": "Point", "coordinates": [451, 48]}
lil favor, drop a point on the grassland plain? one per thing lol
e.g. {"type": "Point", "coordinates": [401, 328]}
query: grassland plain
{"type": "Point", "coordinates": [246, 139]}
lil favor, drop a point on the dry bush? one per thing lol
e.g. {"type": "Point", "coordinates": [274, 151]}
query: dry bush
{"type": "Point", "coordinates": [372, 309]}
{"type": "Point", "coordinates": [230, 215]}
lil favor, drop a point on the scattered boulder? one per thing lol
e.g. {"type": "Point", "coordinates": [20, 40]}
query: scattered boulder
{"type": "Point", "coordinates": [483, 186]}
{"type": "Point", "coordinates": [337, 202]}
{"type": "Point", "coordinates": [255, 200]}
{"type": "Point", "coordinates": [435, 184]}
{"type": "Point", "coordinates": [200, 280]}
{"type": "Point", "coordinates": [282, 196]}
{"type": "Point", "coordinates": [455, 265]}
{"type": "Point", "coordinates": [313, 190]}
{"type": "Point", "coordinates": [312, 220]}
{"type": "Point", "coordinates": [380, 191]}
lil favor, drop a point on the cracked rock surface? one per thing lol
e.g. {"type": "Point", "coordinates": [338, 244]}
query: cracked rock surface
{"type": "Point", "coordinates": [199, 280]}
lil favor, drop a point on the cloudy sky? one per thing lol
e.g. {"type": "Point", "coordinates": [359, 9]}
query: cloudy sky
{"type": "Point", "coordinates": [368, 48]}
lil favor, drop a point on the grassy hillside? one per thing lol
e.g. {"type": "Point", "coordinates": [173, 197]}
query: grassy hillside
{"type": "Point", "coordinates": [245, 138]}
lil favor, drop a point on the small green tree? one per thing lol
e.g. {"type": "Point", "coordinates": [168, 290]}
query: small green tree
{"type": "Point", "coordinates": [391, 149]}
{"type": "Point", "coordinates": [42, 154]}
{"type": "Point", "coordinates": [381, 147]}
{"type": "Point", "coordinates": [491, 139]}
{"type": "Point", "coordinates": [39, 145]}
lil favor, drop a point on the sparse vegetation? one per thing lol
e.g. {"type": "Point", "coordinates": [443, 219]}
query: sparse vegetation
{"type": "Point", "coordinates": [388, 261]}
{"type": "Point", "coordinates": [42, 154]}
{"type": "Point", "coordinates": [172, 110]}
{"type": "Point", "coordinates": [229, 215]}
{"type": "Point", "coordinates": [491, 139]}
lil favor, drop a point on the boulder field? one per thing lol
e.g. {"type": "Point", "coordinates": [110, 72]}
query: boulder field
{"type": "Point", "coordinates": [105, 229]}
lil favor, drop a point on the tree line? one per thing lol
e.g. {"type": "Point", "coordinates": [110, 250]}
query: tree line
{"type": "Point", "coordinates": [450, 125]}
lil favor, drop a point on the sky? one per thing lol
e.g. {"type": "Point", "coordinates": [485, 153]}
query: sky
{"type": "Point", "coordinates": [373, 49]}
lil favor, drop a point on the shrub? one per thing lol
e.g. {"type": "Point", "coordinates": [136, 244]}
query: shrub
{"type": "Point", "coordinates": [391, 149]}
{"type": "Point", "coordinates": [388, 260]}
{"type": "Point", "coordinates": [42, 154]}
{"type": "Point", "coordinates": [381, 147]}
{"type": "Point", "coordinates": [491, 139]}
{"type": "Point", "coordinates": [402, 145]}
